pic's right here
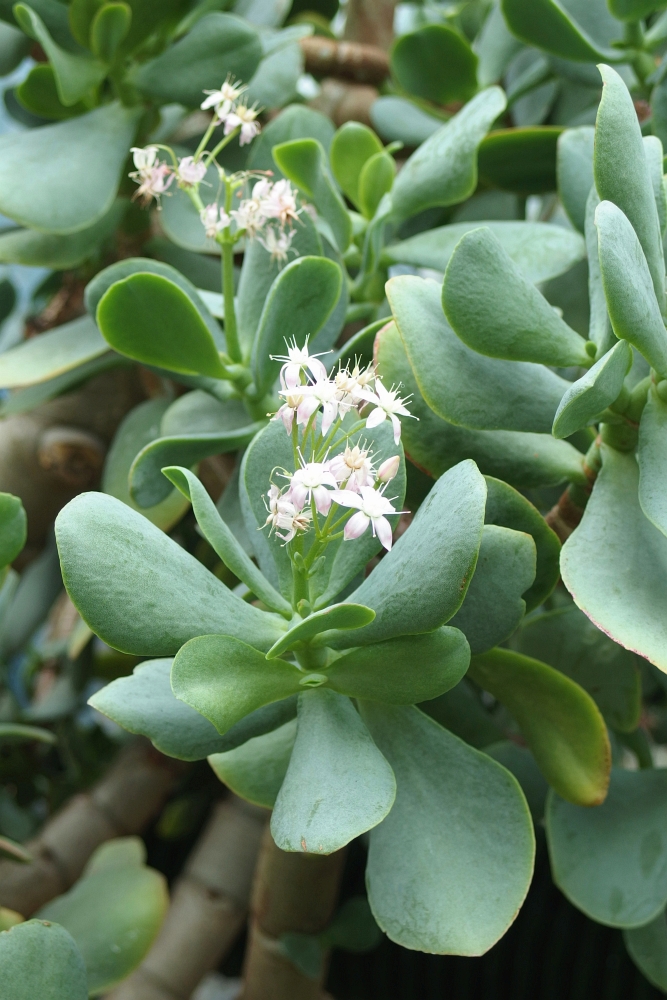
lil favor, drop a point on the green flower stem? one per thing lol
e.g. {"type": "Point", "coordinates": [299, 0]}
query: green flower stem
{"type": "Point", "coordinates": [221, 145]}
{"type": "Point", "coordinates": [204, 140]}
{"type": "Point", "coordinates": [231, 330]}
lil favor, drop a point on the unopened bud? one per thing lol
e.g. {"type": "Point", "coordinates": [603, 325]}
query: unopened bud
{"type": "Point", "coordinates": [388, 469]}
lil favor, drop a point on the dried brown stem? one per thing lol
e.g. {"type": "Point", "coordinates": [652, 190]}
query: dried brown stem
{"type": "Point", "coordinates": [370, 22]}
{"type": "Point", "coordinates": [345, 60]}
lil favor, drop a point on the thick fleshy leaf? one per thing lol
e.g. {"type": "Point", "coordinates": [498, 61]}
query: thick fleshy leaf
{"type": "Point", "coordinates": [611, 862]}
{"type": "Point", "coordinates": [430, 883]}
{"type": "Point", "coordinates": [41, 959]}
{"type": "Point", "coordinates": [568, 641]}
{"type": "Point", "coordinates": [296, 122]}
{"type": "Point", "coordinates": [299, 302]}
{"type": "Point", "coordinates": [496, 311]}
{"type": "Point", "coordinates": [520, 160]}
{"type": "Point", "coordinates": [443, 171]}
{"type": "Point", "coordinates": [539, 250]}
{"type": "Point", "coordinates": [615, 563]}
{"type": "Point", "coordinates": [223, 541]}
{"type": "Point", "coordinates": [352, 146]}
{"type": "Point", "coordinates": [524, 460]}
{"type": "Point", "coordinates": [338, 784]}
{"type": "Point", "coordinates": [647, 947]}
{"type": "Point", "coordinates": [575, 171]}
{"type": "Point", "coordinates": [337, 616]}
{"type": "Point", "coordinates": [255, 770]}
{"type": "Point", "coordinates": [110, 27]}
{"type": "Point", "coordinates": [144, 703]}
{"type": "Point", "coordinates": [435, 62]}
{"type": "Point", "coordinates": [422, 582]}
{"type": "Point", "coordinates": [35, 249]}
{"type": "Point", "coordinates": [493, 605]}
{"type": "Point", "coordinates": [654, 161]}
{"type": "Point", "coordinates": [559, 721]}
{"type": "Point", "coordinates": [622, 175]}
{"type": "Point", "coordinates": [304, 162]}
{"type": "Point", "coordinates": [113, 938]}
{"type": "Point", "coordinates": [398, 119]}
{"type": "Point", "coordinates": [52, 353]}
{"type": "Point", "coordinates": [495, 47]}
{"type": "Point", "coordinates": [403, 671]}
{"type": "Point", "coordinates": [225, 680]}
{"type": "Point", "coordinates": [53, 16]}
{"type": "Point", "coordinates": [38, 94]}
{"type": "Point", "coordinates": [140, 591]}
{"type": "Point", "coordinates": [151, 319]}
{"type": "Point", "coordinates": [13, 528]}
{"type": "Point", "coordinates": [77, 191]}
{"type": "Point", "coordinates": [634, 10]}
{"type": "Point", "coordinates": [599, 325]}
{"type": "Point", "coordinates": [459, 384]}
{"type": "Point", "coordinates": [652, 458]}
{"type": "Point", "coordinates": [376, 181]}
{"type": "Point", "coordinates": [568, 30]}
{"type": "Point", "coordinates": [633, 307]}
{"type": "Point", "coordinates": [593, 392]}
{"type": "Point", "coordinates": [218, 45]}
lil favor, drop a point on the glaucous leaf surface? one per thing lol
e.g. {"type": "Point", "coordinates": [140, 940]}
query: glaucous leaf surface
{"type": "Point", "coordinates": [559, 721]}
{"type": "Point", "coordinates": [352, 146]}
{"type": "Point", "coordinates": [616, 541]}
{"type": "Point", "coordinates": [55, 19]}
{"type": "Point", "coordinates": [654, 160]}
{"type": "Point", "coordinates": [647, 947]}
{"type": "Point", "coordinates": [622, 174]}
{"type": "Point", "coordinates": [520, 160]}
{"type": "Point", "coordinates": [520, 762]}
{"type": "Point", "coordinates": [337, 616]}
{"type": "Point", "coordinates": [13, 528]}
{"type": "Point", "coordinates": [611, 862]}
{"type": "Point", "coordinates": [110, 27]}
{"type": "Point", "coordinates": [338, 784]}
{"type": "Point", "coordinates": [575, 171]}
{"type": "Point", "coordinates": [450, 866]}
{"type": "Point", "coordinates": [599, 325]}
{"type": "Point", "coordinates": [398, 119]}
{"type": "Point", "coordinates": [256, 769]}
{"type": "Point", "coordinates": [497, 312]}
{"type": "Point", "coordinates": [79, 190]}
{"type": "Point", "coordinates": [459, 384]}
{"type": "Point", "coordinates": [495, 47]}
{"type": "Point", "coordinates": [218, 45]}
{"type": "Point", "coordinates": [52, 353]}
{"type": "Point", "coordinates": [304, 162]}
{"type": "Point", "coordinates": [41, 959]}
{"type": "Point", "coordinates": [539, 250]}
{"type": "Point", "coordinates": [435, 62]}
{"type": "Point", "coordinates": [493, 606]}
{"type": "Point", "coordinates": [422, 582]}
{"type": "Point", "coordinates": [114, 914]}
{"type": "Point", "coordinates": [35, 249]}
{"type": "Point", "coordinates": [376, 180]}
{"type": "Point", "coordinates": [652, 459]}
{"type": "Point", "coordinates": [140, 591]}
{"type": "Point", "coordinates": [524, 460]}
{"type": "Point", "coordinates": [443, 171]}
{"type": "Point", "coordinates": [567, 640]}
{"type": "Point", "coordinates": [403, 671]}
{"type": "Point", "coordinates": [598, 388]}
{"type": "Point", "coordinates": [300, 300]}
{"type": "Point", "coordinates": [561, 29]}
{"type": "Point", "coordinates": [296, 122]}
{"type": "Point", "coordinates": [633, 307]}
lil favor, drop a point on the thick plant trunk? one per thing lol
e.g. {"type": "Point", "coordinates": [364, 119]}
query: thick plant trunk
{"type": "Point", "coordinates": [122, 803]}
{"type": "Point", "coordinates": [292, 893]}
{"type": "Point", "coordinates": [208, 908]}
{"type": "Point", "coordinates": [370, 22]}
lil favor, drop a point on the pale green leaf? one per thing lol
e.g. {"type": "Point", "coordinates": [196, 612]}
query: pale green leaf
{"type": "Point", "coordinates": [256, 769]}
{"type": "Point", "coordinates": [41, 959]}
{"type": "Point", "coordinates": [598, 388]}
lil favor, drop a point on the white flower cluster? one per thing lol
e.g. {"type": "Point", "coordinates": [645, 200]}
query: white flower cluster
{"type": "Point", "coordinates": [230, 113]}
{"type": "Point", "coordinates": [154, 177]}
{"type": "Point", "coordinates": [268, 202]}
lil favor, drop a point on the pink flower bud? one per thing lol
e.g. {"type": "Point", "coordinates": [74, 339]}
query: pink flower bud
{"type": "Point", "coordinates": [388, 469]}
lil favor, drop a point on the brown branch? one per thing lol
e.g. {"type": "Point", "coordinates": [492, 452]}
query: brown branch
{"type": "Point", "coordinates": [345, 102]}
{"type": "Point", "coordinates": [345, 60]}
{"type": "Point", "coordinates": [370, 21]}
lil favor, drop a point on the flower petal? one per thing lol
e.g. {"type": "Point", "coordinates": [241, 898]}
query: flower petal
{"type": "Point", "coordinates": [383, 531]}
{"type": "Point", "coordinates": [346, 498]}
{"type": "Point", "coordinates": [375, 417]}
{"type": "Point", "coordinates": [356, 526]}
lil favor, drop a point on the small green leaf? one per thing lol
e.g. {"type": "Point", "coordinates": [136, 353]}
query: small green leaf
{"type": "Point", "coordinates": [35, 249]}
{"type": "Point", "coordinates": [403, 671]}
{"type": "Point", "coordinates": [225, 679]}
{"type": "Point", "coordinates": [303, 161]}
{"type": "Point", "coordinates": [647, 947]}
{"type": "Point", "coordinates": [564, 29]}
{"type": "Point", "coordinates": [633, 307]}
{"type": "Point", "coordinates": [149, 318]}
{"type": "Point", "coordinates": [423, 183]}
{"type": "Point", "coordinates": [375, 181]}
{"type": "Point", "coordinates": [41, 959]}
{"type": "Point", "coordinates": [81, 16]}
{"type": "Point", "coordinates": [459, 834]}
{"type": "Point", "coordinates": [52, 353]}
{"type": "Point", "coordinates": [16, 731]}
{"type": "Point", "coordinates": [338, 784]}
{"type": "Point", "coordinates": [599, 326]}
{"type": "Point", "coordinates": [256, 769]}
{"type": "Point", "coordinates": [497, 312]}
{"type": "Point", "coordinates": [296, 122]}
{"type": "Point", "coordinates": [9, 918]}
{"type": "Point", "coordinates": [38, 94]}
{"type": "Point", "coordinates": [559, 721]}
{"type": "Point", "coordinates": [652, 459]}
{"type": "Point", "coordinates": [593, 392]}
{"type": "Point", "coordinates": [520, 160]}
{"type": "Point", "coordinates": [110, 27]}
{"type": "Point", "coordinates": [351, 147]}
{"type": "Point", "coordinates": [435, 62]}
{"type": "Point", "coordinates": [654, 161]}
{"type": "Point", "coordinates": [298, 304]}
{"type": "Point", "coordinates": [611, 862]}
{"type": "Point", "coordinates": [575, 171]}
{"type": "Point", "coordinates": [634, 10]}
{"type": "Point", "coordinates": [13, 528]}
{"type": "Point", "coordinates": [403, 120]}
{"type": "Point", "coordinates": [336, 616]}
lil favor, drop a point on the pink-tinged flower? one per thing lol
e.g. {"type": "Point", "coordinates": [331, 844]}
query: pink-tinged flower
{"type": "Point", "coordinates": [324, 393]}
{"type": "Point", "coordinates": [277, 243]}
{"type": "Point", "coordinates": [280, 202]}
{"type": "Point", "coordinates": [309, 481]}
{"type": "Point", "coordinates": [245, 117]}
{"type": "Point", "coordinates": [372, 508]}
{"type": "Point", "coordinates": [190, 171]}
{"type": "Point", "coordinates": [351, 385]}
{"type": "Point", "coordinates": [388, 469]}
{"type": "Point", "coordinates": [387, 404]}
{"type": "Point", "coordinates": [152, 176]}
{"type": "Point", "coordinates": [283, 514]}
{"type": "Point", "coordinates": [214, 220]}
{"type": "Point", "coordinates": [223, 99]}
{"type": "Point", "coordinates": [250, 215]}
{"type": "Point", "coordinates": [297, 360]}
{"type": "Point", "coordinates": [287, 411]}
{"type": "Point", "coordinates": [353, 467]}
{"type": "Point", "coordinates": [144, 157]}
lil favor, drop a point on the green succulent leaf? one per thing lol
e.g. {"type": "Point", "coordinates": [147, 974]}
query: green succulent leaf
{"type": "Point", "coordinates": [110, 27]}
{"type": "Point", "coordinates": [13, 528]}
{"type": "Point", "coordinates": [460, 385]}
{"type": "Point", "coordinates": [181, 221]}
{"type": "Point", "coordinates": [611, 862]}
{"type": "Point", "coordinates": [559, 721]}
{"type": "Point", "coordinates": [337, 616]}
{"type": "Point", "coordinates": [429, 884]}
{"type": "Point", "coordinates": [654, 161]}
{"type": "Point", "coordinates": [256, 769]}
{"type": "Point", "coordinates": [579, 30]}
{"type": "Point", "coordinates": [140, 591]}
{"type": "Point", "coordinates": [41, 959]}
{"type": "Point", "coordinates": [423, 183]}
{"type": "Point", "coordinates": [296, 122]}
{"type": "Point", "coordinates": [499, 313]}
{"type": "Point", "coordinates": [304, 162]}
{"type": "Point", "coordinates": [351, 147]}
{"type": "Point", "coordinates": [593, 392]}
{"type": "Point", "coordinates": [375, 181]}
{"type": "Point", "coordinates": [634, 10]}
{"type": "Point", "coordinates": [78, 191]}
{"type": "Point", "coordinates": [599, 326]}
{"type": "Point", "coordinates": [575, 171]}
{"type": "Point", "coordinates": [338, 785]}
{"type": "Point", "coordinates": [616, 541]}
{"type": "Point", "coordinates": [647, 947]}
{"type": "Point", "coordinates": [51, 354]}
{"type": "Point", "coordinates": [38, 94]}
{"type": "Point", "coordinates": [652, 459]}
{"type": "Point", "coordinates": [435, 62]}
{"type": "Point", "coordinates": [520, 160]}
{"type": "Point", "coordinates": [35, 249]}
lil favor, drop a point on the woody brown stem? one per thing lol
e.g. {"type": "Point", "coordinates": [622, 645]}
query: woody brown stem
{"type": "Point", "coordinates": [345, 102]}
{"type": "Point", "coordinates": [370, 22]}
{"type": "Point", "coordinates": [567, 513]}
{"type": "Point", "coordinates": [345, 60]}
{"type": "Point", "coordinates": [292, 893]}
